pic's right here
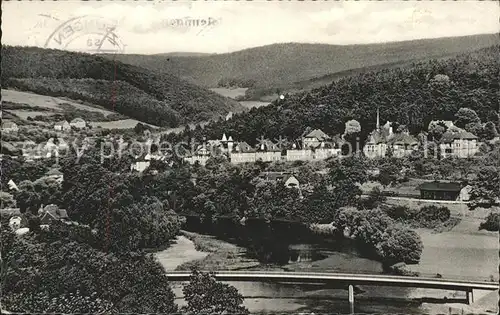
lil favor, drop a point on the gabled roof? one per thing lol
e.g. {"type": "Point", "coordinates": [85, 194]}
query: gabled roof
{"type": "Point", "coordinates": [60, 123]}
{"type": "Point", "coordinates": [54, 211]}
{"type": "Point", "coordinates": [403, 138]}
{"type": "Point", "coordinates": [268, 145]}
{"type": "Point", "coordinates": [318, 134]}
{"type": "Point", "coordinates": [452, 136]}
{"type": "Point", "coordinates": [243, 147]}
{"type": "Point", "coordinates": [54, 172]}
{"type": "Point", "coordinates": [379, 136]}
{"type": "Point", "coordinates": [440, 186]}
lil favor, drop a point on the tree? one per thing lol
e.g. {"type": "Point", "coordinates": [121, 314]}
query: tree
{"type": "Point", "coordinates": [485, 189]}
{"type": "Point", "coordinates": [48, 274]}
{"type": "Point", "coordinates": [466, 116]}
{"type": "Point", "coordinates": [352, 126]}
{"type": "Point", "coordinates": [27, 199]}
{"type": "Point", "coordinates": [400, 245]}
{"type": "Point", "coordinates": [436, 130]}
{"type": "Point", "coordinates": [205, 295]}
{"type": "Point", "coordinates": [490, 130]}
{"type": "Point", "coordinates": [492, 222]}
{"type": "Point", "coordinates": [7, 200]}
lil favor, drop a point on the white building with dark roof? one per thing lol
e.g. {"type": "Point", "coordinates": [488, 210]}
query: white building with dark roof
{"type": "Point", "coordinates": [461, 144]}
{"type": "Point", "coordinates": [314, 139]}
{"type": "Point", "coordinates": [242, 153]}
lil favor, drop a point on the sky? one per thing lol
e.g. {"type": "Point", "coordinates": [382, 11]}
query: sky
{"type": "Point", "coordinates": [151, 27]}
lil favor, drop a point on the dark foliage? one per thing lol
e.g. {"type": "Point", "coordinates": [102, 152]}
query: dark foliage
{"type": "Point", "coordinates": [410, 96]}
{"type": "Point", "coordinates": [492, 222]}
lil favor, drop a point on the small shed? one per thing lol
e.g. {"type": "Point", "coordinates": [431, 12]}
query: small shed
{"type": "Point", "coordinates": [440, 190]}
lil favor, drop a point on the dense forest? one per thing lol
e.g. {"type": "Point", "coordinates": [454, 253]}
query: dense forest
{"type": "Point", "coordinates": [160, 99]}
{"type": "Point", "coordinates": [278, 65]}
{"type": "Point", "coordinates": [411, 96]}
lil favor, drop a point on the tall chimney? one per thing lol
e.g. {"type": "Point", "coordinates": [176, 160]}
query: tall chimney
{"type": "Point", "coordinates": [378, 119]}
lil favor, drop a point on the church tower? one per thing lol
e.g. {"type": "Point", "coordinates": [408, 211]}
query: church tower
{"type": "Point", "coordinates": [378, 119]}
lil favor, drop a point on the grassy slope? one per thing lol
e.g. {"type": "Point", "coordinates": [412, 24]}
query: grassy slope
{"type": "Point", "coordinates": [91, 77]}
{"type": "Point", "coordinates": [281, 64]}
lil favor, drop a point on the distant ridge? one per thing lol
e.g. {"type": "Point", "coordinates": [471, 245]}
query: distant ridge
{"type": "Point", "coordinates": [280, 64]}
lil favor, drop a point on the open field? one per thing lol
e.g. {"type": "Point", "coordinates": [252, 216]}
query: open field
{"type": "Point", "coordinates": [231, 93]}
{"type": "Point", "coordinates": [55, 105]}
{"type": "Point", "coordinates": [24, 114]}
{"type": "Point", "coordinates": [47, 101]}
{"type": "Point", "coordinates": [118, 124]}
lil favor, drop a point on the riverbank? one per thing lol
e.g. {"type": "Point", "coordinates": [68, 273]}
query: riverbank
{"type": "Point", "coordinates": [220, 255]}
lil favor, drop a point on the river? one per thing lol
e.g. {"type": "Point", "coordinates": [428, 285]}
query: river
{"type": "Point", "coordinates": [303, 253]}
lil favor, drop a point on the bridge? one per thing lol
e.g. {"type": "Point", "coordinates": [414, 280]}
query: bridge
{"type": "Point", "coordinates": [349, 280]}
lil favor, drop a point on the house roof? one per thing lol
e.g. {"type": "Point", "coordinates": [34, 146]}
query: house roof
{"type": "Point", "coordinates": [403, 138]}
{"type": "Point", "coordinates": [10, 211]}
{"type": "Point", "coordinates": [318, 134]}
{"type": "Point", "coordinates": [60, 123]}
{"type": "Point", "coordinates": [440, 186]}
{"type": "Point", "coordinates": [54, 172]}
{"type": "Point", "coordinates": [243, 147]}
{"type": "Point", "coordinates": [55, 212]}
{"type": "Point", "coordinates": [76, 120]}
{"type": "Point", "coordinates": [452, 136]}
{"type": "Point", "coordinates": [268, 146]}
{"type": "Point", "coordinates": [276, 176]}
{"type": "Point", "coordinates": [379, 136]}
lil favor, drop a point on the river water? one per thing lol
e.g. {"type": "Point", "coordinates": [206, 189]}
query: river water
{"type": "Point", "coordinates": [301, 253]}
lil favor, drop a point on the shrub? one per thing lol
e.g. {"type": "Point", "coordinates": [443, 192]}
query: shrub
{"type": "Point", "coordinates": [400, 245]}
{"type": "Point", "coordinates": [433, 213]}
{"type": "Point", "coordinates": [492, 222]}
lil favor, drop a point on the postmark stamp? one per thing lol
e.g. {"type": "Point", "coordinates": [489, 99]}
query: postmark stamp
{"type": "Point", "coordinates": [86, 33]}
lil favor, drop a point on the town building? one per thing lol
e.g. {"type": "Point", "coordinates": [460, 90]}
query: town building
{"type": "Point", "coordinates": [314, 139]}
{"type": "Point", "coordinates": [377, 143]}
{"type": "Point", "coordinates": [201, 156]}
{"type": "Point", "coordinates": [326, 150]}
{"type": "Point", "coordinates": [51, 213]}
{"type": "Point", "coordinates": [62, 126]}
{"type": "Point", "coordinates": [299, 154]}
{"type": "Point", "coordinates": [461, 144]}
{"type": "Point", "coordinates": [9, 126]}
{"type": "Point", "coordinates": [444, 191]}
{"type": "Point", "coordinates": [403, 144]}
{"type": "Point", "coordinates": [288, 179]}
{"type": "Point", "coordinates": [229, 116]}
{"type": "Point", "coordinates": [267, 151]}
{"type": "Point", "coordinates": [78, 123]}
{"type": "Point", "coordinates": [12, 185]}
{"type": "Point", "coordinates": [242, 153]}
{"type": "Point", "coordinates": [55, 174]}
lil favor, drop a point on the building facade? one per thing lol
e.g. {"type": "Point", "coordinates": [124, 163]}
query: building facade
{"type": "Point", "coordinates": [461, 144]}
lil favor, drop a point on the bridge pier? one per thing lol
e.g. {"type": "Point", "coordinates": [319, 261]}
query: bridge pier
{"type": "Point", "coordinates": [351, 299]}
{"type": "Point", "coordinates": [470, 296]}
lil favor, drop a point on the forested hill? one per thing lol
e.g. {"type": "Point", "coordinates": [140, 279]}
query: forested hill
{"type": "Point", "coordinates": [412, 96]}
{"type": "Point", "coordinates": [157, 98]}
{"type": "Point", "coordinates": [276, 65]}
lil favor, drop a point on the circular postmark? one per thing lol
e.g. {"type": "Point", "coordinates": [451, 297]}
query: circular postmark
{"type": "Point", "coordinates": [86, 33]}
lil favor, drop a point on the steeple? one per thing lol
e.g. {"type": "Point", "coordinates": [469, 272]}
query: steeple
{"type": "Point", "coordinates": [378, 119]}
